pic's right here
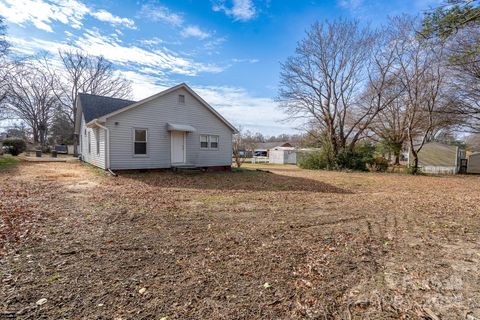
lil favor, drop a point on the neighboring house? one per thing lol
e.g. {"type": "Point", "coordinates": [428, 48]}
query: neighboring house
{"type": "Point", "coordinates": [173, 128]}
{"type": "Point", "coordinates": [437, 157]}
{"type": "Point", "coordinates": [473, 164]}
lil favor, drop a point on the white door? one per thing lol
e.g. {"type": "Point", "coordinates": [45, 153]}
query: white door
{"type": "Point", "coordinates": [178, 147]}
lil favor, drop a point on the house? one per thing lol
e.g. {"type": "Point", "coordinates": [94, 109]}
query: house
{"type": "Point", "coordinates": [473, 164]}
{"type": "Point", "coordinates": [170, 129]}
{"type": "Point", "coordinates": [437, 157]}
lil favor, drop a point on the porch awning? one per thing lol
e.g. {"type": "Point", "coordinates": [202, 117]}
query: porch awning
{"type": "Point", "coordinates": [180, 127]}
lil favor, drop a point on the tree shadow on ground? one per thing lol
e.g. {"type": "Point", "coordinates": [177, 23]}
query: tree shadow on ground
{"type": "Point", "coordinates": [237, 180]}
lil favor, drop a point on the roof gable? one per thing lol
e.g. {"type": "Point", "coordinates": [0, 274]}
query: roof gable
{"type": "Point", "coordinates": [155, 96]}
{"type": "Point", "coordinates": [94, 106]}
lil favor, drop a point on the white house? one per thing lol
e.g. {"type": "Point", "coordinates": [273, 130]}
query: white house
{"type": "Point", "coordinates": [173, 128]}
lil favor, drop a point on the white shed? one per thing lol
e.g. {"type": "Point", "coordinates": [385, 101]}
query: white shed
{"type": "Point", "coordinates": [473, 164]}
{"type": "Point", "coordinates": [282, 156]}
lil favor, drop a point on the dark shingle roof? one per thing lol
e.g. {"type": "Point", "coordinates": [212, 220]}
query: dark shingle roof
{"type": "Point", "coordinates": [94, 106]}
{"type": "Point", "coordinates": [271, 145]}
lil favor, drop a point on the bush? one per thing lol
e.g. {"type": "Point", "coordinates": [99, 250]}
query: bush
{"type": "Point", "coordinates": [314, 160]}
{"type": "Point", "coordinates": [356, 160]}
{"type": "Point", "coordinates": [14, 146]}
{"type": "Point", "coordinates": [379, 164]}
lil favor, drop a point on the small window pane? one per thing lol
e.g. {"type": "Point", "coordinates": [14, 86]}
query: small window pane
{"type": "Point", "coordinates": [141, 135]}
{"type": "Point", "coordinates": [181, 98]}
{"type": "Point", "coordinates": [203, 141]}
{"type": "Point", "coordinates": [213, 141]}
{"type": "Point", "coordinates": [140, 148]}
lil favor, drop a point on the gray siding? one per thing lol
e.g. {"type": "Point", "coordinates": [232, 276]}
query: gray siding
{"type": "Point", "coordinates": [154, 116]}
{"type": "Point", "coordinates": [473, 164]}
{"type": "Point", "coordinates": [92, 157]}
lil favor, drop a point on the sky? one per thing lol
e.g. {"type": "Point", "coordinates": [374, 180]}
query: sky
{"type": "Point", "coordinates": [229, 51]}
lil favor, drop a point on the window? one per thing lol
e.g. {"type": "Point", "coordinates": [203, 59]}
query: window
{"type": "Point", "coordinates": [140, 142]}
{"type": "Point", "coordinates": [89, 143]}
{"type": "Point", "coordinates": [209, 141]}
{"type": "Point", "coordinates": [97, 139]}
{"type": "Point", "coordinates": [181, 98]}
{"type": "Point", "coordinates": [214, 142]}
{"type": "Point", "coordinates": [203, 141]}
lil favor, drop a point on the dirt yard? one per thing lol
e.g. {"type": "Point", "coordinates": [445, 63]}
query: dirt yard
{"type": "Point", "coordinates": [289, 244]}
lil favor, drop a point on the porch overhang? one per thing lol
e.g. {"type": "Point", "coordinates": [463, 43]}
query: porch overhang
{"type": "Point", "coordinates": [180, 127]}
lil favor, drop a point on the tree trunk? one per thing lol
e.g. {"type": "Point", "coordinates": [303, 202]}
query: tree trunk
{"type": "Point", "coordinates": [397, 158]}
{"type": "Point", "coordinates": [415, 162]}
{"type": "Point", "coordinates": [75, 145]}
{"type": "Point", "coordinates": [35, 136]}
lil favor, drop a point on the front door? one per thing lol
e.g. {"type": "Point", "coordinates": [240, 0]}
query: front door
{"type": "Point", "coordinates": [178, 147]}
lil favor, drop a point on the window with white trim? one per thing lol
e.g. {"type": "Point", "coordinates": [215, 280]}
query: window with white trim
{"type": "Point", "coordinates": [203, 141]}
{"type": "Point", "coordinates": [209, 141]}
{"type": "Point", "coordinates": [214, 142]}
{"type": "Point", "coordinates": [140, 142]}
{"type": "Point", "coordinates": [181, 98]}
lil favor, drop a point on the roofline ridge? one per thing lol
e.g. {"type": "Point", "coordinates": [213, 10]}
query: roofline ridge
{"type": "Point", "coordinates": [97, 95]}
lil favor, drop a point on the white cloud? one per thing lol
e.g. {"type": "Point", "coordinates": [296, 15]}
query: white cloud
{"type": "Point", "coordinates": [195, 32]}
{"type": "Point", "coordinates": [241, 10]}
{"type": "Point", "coordinates": [129, 56]}
{"type": "Point", "coordinates": [104, 15]}
{"type": "Point", "coordinates": [42, 13]}
{"type": "Point", "coordinates": [160, 13]}
{"type": "Point", "coordinates": [236, 60]}
{"type": "Point", "coordinates": [241, 108]}
{"type": "Point", "coordinates": [350, 4]}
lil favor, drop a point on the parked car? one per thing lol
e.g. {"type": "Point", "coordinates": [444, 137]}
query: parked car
{"type": "Point", "coordinates": [61, 149]}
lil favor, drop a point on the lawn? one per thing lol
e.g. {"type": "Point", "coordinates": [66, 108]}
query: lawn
{"type": "Point", "coordinates": [284, 244]}
{"type": "Point", "coordinates": [7, 161]}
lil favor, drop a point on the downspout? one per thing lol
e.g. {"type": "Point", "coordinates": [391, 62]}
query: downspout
{"type": "Point", "coordinates": [107, 145]}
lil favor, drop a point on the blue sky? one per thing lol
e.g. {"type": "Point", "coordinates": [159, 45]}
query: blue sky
{"type": "Point", "coordinates": [228, 50]}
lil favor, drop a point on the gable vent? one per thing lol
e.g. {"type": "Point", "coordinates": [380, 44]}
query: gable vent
{"type": "Point", "coordinates": [181, 98]}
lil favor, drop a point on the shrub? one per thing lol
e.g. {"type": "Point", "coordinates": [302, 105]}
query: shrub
{"type": "Point", "coordinates": [314, 160]}
{"type": "Point", "coordinates": [378, 164]}
{"type": "Point", "coordinates": [14, 146]}
{"type": "Point", "coordinates": [356, 159]}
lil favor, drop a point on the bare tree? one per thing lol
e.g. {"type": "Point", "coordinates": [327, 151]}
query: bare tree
{"type": "Point", "coordinates": [5, 68]}
{"type": "Point", "coordinates": [241, 144]}
{"type": "Point", "coordinates": [391, 127]}
{"type": "Point", "coordinates": [464, 76]}
{"type": "Point", "coordinates": [421, 72]}
{"type": "Point", "coordinates": [31, 98]}
{"type": "Point", "coordinates": [324, 82]}
{"type": "Point", "coordinates": [83, 73]}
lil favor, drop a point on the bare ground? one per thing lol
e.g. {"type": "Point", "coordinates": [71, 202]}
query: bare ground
{"type": "Point", "coordinates": [289, 244]}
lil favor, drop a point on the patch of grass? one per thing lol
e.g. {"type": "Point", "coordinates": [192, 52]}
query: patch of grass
{"type": "Point", "coordinates": [7, 161]}
{"type": "Point", "coordinates": [54, 278]}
